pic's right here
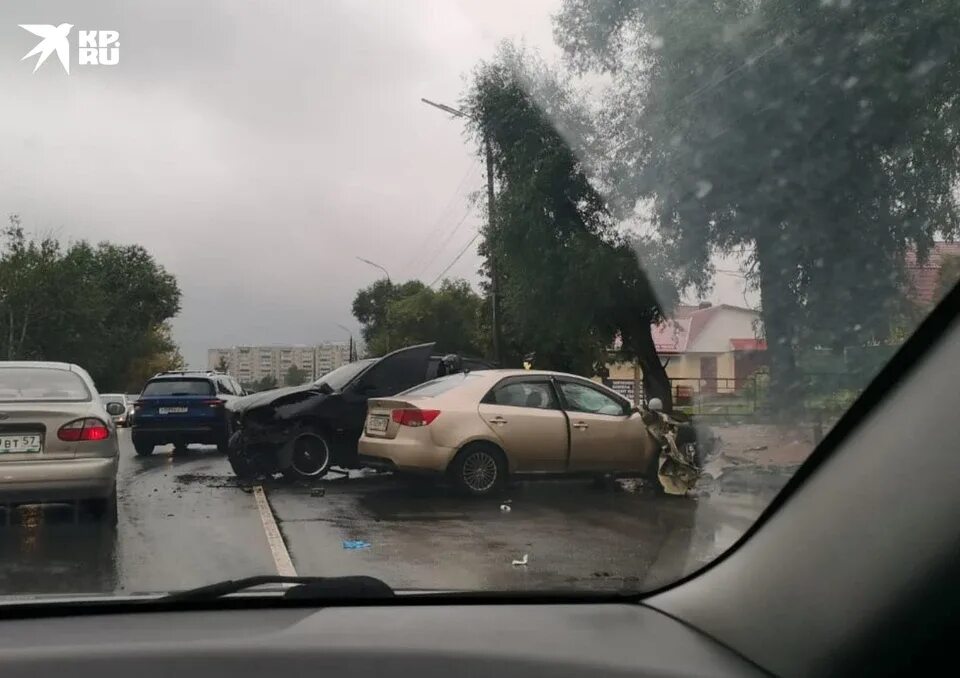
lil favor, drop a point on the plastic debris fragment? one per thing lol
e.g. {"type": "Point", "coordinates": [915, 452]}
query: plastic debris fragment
{"type": "Point", "coordinates": [355, 544]}
{"type": "Point", "coordinates": [522, 561]}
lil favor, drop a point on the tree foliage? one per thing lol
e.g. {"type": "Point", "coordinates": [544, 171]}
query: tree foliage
{"type": "Point", "coordinates": [570, 279]}
{"type": "Point", "coordinates": [394, 316]}
{"type": "Point", "coordinates": [818, 137]}
{"type": "Point", "coordinates": [294, 376]}
{"type": "Point", "coordinates": [103, 307]}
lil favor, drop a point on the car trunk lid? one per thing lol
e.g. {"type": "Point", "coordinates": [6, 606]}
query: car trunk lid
{"type": "Point", "coordinates": [28, 431]}
{"type": "Point", "coordinates": [380, 421]}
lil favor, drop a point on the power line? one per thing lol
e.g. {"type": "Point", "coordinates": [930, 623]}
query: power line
{"type": "Point", "coordinates": [445, 241]}
{"type": "Point", "coordinates": [455, 259]}
{"type": "Point", "coordinates": [438, 223]}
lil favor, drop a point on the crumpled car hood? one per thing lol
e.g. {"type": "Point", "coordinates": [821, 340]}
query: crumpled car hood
{"type": "Point", "coordinates": [246, 403]}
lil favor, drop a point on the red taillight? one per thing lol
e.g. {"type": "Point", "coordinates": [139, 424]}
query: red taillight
{"type": "Point", "coordinates": [414, 416]}
{"type": "Point", "coordinates": [90, 428]}
{"type": "Point", "coordinates": [213, 402]}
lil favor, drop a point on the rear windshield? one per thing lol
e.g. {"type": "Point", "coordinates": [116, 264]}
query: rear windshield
{"type": "Point", "coordinates": [178, 387]}
{"type": "Point", "coordinates": [41, 383]}
{"type": "Point", "coordinates": [438, 386]}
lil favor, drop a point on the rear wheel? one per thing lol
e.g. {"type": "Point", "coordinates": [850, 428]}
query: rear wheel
{"type": "Point", "coordinates": [239, 461]}
{"type": "Point", "coordinates": [311, 457]}
{"type": "Point", "coordinates": [479, 469]}
{"type": "Point", "coordinates": [143, 448]}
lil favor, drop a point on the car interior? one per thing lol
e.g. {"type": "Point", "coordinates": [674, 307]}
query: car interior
{"type": "Point", "coordinates": [820, 585]}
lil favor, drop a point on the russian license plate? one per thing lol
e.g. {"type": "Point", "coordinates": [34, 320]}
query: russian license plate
{"type": "Point", "coordinates": [172, 410]}
{"type": "Point", "coordinates": [19, 444]}
{"type": "Point", "coordinates": [377, 423]}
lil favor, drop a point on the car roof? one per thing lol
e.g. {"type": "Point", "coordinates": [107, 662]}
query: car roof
{"type": "Point", "coordinates": [44, 364]}
{"type": "Point", "coordinates": [516, 372]}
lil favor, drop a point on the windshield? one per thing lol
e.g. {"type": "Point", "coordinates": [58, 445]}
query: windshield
{"type": "Point", "coordinates": [342, 376]}
{"type": "Point", "coordinates": [679, 238]}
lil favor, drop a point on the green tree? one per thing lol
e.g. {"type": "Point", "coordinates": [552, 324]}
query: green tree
{"type": "Point", "coordinates": [820, 138]}
{"type": "Point", "coordinates": [266, 383]}
{"type": "Point", "coordinates": [294, 376]}
{"type": "Point", "coordinates": [223, 365]}
{"type": "Point", "coordinates": [570, 279]}
{"type": "Point", "coordinates": [157, 353]}
{"type": "Point", "coordinates": [103, 307]}
{"type": "Point", "coordinates": [451, 316]}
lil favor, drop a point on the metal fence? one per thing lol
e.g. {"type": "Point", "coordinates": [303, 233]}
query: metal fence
{"type": "Point", "coordinates": [821, 394]}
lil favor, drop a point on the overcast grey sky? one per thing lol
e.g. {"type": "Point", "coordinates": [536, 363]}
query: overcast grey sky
{"type": "Point", "coordinates": [256, 148]}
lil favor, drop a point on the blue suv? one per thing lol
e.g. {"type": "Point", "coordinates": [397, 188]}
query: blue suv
{"type": "Point", "coordinates": [184, 408]}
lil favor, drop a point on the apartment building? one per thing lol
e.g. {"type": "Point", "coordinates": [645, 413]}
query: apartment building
{"type": "Point", "coordinates": [249, 364]}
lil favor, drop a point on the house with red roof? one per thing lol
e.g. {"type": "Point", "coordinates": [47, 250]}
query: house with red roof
{"type": "Point", "coordinates": [705, 349]}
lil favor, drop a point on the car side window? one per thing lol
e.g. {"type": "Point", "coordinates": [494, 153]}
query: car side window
{"type": "Point", "coordinates": [582, 398]}
{"type": "Point", "coordinates": [537, 394]}
{"type": "Point", "coordinates": [223, 387]}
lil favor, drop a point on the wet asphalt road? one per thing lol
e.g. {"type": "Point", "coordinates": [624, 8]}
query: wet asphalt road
{"type": "Point", "coordinates": [185, 522]}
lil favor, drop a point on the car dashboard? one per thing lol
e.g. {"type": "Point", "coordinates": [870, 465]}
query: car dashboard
{"type": "Point", "coordinates": [605, 639]}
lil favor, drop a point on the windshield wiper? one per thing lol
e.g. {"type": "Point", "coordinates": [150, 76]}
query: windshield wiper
{"type": "Point", "coordinates": [326, 588]}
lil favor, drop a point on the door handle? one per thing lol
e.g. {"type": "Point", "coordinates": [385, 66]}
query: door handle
{"type": "Point", "coordinates": [498, 420]}
{"type": "Point", "coordinates": [581, 425]}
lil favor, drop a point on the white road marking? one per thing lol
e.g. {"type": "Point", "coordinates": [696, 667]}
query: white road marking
{"type": "Point", "coordinates": [281, 557]}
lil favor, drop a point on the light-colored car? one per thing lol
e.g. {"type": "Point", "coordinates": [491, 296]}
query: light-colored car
{"type": "Point", "coordinates": [122, 419]}
{"type": "Point", "coordinates": [57, 440]}
{"type": "Point", "coordinates": [481, 426]}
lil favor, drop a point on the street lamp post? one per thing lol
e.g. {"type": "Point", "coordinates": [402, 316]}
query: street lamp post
{"type": "Point", "coordinates": [350, 347]}
{"type": "Point", "coordinates": [491, 258]}
{"type": "Point", "coordinates": [389, 291]}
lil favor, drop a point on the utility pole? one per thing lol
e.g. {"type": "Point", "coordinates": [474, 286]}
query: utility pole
{"type": "Point", "coordinates": [491, 226]}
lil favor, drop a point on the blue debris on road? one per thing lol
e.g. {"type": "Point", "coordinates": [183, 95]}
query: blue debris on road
{"type": "Point", "coordinates": [352, 544]}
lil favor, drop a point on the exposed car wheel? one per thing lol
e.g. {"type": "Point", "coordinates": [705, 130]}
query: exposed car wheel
{"type": "Point", "coordinates": [239, 461]}
{"type": "Point", "coordinates": [104, 509]}
{"type": "Point", "coordinates": [479, 469]}
{"type": "Point", "coordinates": [310, 458]}
{"type": "Point", "coordinates": [143, 448]}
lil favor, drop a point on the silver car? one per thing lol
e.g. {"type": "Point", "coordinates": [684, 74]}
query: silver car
{"type": "Point", "coordinates": [57, 440]}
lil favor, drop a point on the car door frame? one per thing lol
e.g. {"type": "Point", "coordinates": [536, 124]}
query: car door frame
{"type": "Point", "coordinates": [628, 409]}
{"type": "Point", "coordinates": [536, 378]}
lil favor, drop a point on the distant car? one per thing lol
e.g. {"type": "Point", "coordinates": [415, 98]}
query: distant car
{"type": "Point", "coordinates": [184, 408]}
{"type": "Point", "coordinates": [57, 440]}
{"type": "Point", "coordinates": [118, 419]}
{"type": "Point", "coordinates": [301, 431]}
{"type": "Point", "coordinates": [477, 428]}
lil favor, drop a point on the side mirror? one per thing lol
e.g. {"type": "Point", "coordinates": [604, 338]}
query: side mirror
{"type": "Point", "coordinates": [115, 409]}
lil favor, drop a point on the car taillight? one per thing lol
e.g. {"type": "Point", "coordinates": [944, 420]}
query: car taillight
{"type": "Point", "coordinates": [414, 416]}
{"type": "Point", "coordinates": [90, 428]}
{"type": "Point", "coordinates": [213, 402]}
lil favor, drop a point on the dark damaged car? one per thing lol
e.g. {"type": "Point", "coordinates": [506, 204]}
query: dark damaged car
{"type": "Point", "coordinates": [302, 431]}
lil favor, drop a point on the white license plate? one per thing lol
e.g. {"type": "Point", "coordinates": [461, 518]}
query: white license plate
{"type": "Point", "coordinates": [377, 423]}
{"type": "Point", "coordinates": [172, 410]}
{"type": "Point", "coordinates": [19, 444]}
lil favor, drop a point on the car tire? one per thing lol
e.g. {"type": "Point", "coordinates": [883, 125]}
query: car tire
{"type": "Point", "coordinates": [311, 457]}
{"type": "Point", "coordinates": [479, 469]}
{"type": "Point", "coordinates": [239, 462]}
{"type": "Point", "coordinates": [143, 448]}
{"type": "Point", "coordinates": [104, 509]}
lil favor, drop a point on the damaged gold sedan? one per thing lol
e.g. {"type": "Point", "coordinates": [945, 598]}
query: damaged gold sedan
{"type": "Point", "coordinates": [478, 428]}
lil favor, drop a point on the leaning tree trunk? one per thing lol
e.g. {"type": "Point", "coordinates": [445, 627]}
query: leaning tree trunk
{"type": "Point", "coordinates": [656, 383]}
{"type": "Point", "coordinates": [777, 309]}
